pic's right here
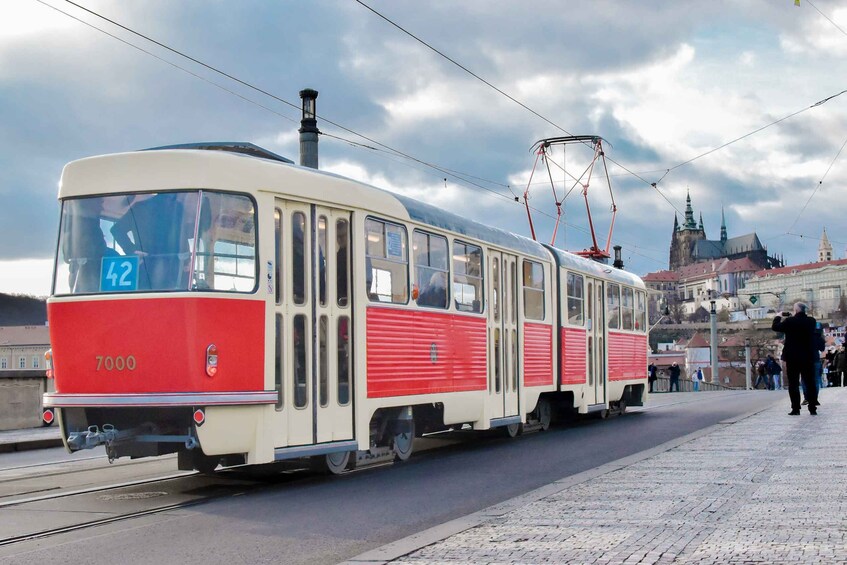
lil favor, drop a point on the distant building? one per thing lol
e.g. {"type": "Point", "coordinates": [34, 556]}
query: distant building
{"type": "Point", "coordinates": [821, 285]}
{"type": "Point", "coordinates": [22, 375]}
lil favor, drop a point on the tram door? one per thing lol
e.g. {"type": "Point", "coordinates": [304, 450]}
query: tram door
{"type": "Point", "coordinates": [504, 341]}
{"type": "Point", "coordinates": [316, 320]}
{"type": "Point", "coordinates": [596, 362]}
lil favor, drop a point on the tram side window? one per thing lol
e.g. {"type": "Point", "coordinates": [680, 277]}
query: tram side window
{"type": "Point", "coordinates": [576, 299]}
{"type": "Point", "coordinates": [301, 383]}
{"type": "Point", "coordinates": [227, 230]}
{"type": "Point", "coordinates": [431, 269]}
{"type": "Point", "coordinates": [278, 255]}
{"type": "Point", "coordinates": [640, 312]}
{"type": "Point", "coordinates": [613, 306]}
{"type": "Point", "coordinates": [342, 255]}
{"type": "Point", "coordinates": [387, 262]}
{"type": "Point", "coordinates": [467, 277]}
{"type": "Point", "coordinates": [627, 306]}
{"type": "Point", "coordinates": [298, 256]}
{"type": "Point", "coordinates": [533, 290]}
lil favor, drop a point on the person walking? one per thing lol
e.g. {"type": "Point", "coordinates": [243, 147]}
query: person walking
{"type": "Point", "coordinates": [799, 352]}
{"type": "Point", "coordinates": [674, 377]}
{"type": "Point", "coordinates": [761, 375]}
{"type": "Point", "coordinates": [775, 372]}
{"type": "Point", "coordinates": [651, 375]}
{"type": "Point", "coordinates": [698, 378]}
{"type": "Point", "coordinates": [839, 366]}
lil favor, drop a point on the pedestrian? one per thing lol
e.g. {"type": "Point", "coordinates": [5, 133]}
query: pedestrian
{"type": "Point", "coordinates": [820, 345]}
{"type": "Point", "coordinates": [698, 378]}
{"type": "Point", "coordinates": [674, 370]}
{"type": "Point", "coordinates": [799, 352]}
{"type": "Point", "coordinates": [839, 364]}
{"type": "Point", "coordinates": [774, 371]}
{"type": "Point", "coordinates": [651, 375]}
{"type": "Point", "coordinates": [761, 374]}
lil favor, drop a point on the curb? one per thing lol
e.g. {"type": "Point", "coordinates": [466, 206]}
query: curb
{"type": "Point", "coordinates": [29, 445]}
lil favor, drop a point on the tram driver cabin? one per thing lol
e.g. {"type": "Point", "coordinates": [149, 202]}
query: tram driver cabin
{"type": "Point", "coordinates": [235, 308]}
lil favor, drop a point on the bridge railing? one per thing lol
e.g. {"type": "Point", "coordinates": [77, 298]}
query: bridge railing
{"type": "Point", "coordinates": [663, 384]}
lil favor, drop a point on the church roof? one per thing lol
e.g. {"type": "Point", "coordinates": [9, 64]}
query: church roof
{"type": "Point", "coordinates": [713, 249]}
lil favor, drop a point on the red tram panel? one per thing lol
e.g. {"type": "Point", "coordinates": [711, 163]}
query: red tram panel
{"type": "Point", "coordinates": [627, 356]}
{"type": "Point", "coordinates": [538, 354]}
{"type": "Point", "coordinates": [574, 361]}
{"type": "Point", "coordinates": [415, 352]}
{"type": "Point", "coordinates": [167, 356]}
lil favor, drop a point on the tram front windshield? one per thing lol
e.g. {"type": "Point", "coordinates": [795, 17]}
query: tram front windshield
{"type": "Point", "coordinates": [165, 241]}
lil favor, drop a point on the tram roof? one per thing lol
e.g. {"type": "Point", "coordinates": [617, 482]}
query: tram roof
{"type": "Point", "coordinates": [594, 268]}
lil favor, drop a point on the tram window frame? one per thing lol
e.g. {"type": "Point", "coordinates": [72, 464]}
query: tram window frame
{"type": "Point", "coordinates": [613, 306]}
{"type": "Point", "coordinates": [627, 309]}
{"type": "Point", "coordinates": [300, 362]}
{"type": "Point", "coordinates": [378, 253]}
{"type": "Point", "coordinates": [640, 311]}
{"type": "Point", "coordinates": [575, 299]}
{"type": "Point", "coordinates": [278, 255]}
{"type": "Point", "coordinates": [468, 273]}
{"type": "Point", "coordinates": [278, 363]}
{"type": "Point", "coordinates": [342, 264]}
{"type": "Point", "coordinates": [323, 247]}
{"type": "Point", "coordinates": [299, 264]}
{"type": "Point", "coordinates": [344, 367]}
{"type": "Point", "coordinates": [533, 289]}
{"type": "Point", "coordinates": [427, 271]}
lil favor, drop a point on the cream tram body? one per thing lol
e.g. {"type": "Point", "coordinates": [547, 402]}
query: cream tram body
{"type": "Point", "coordinates": [294, 313]}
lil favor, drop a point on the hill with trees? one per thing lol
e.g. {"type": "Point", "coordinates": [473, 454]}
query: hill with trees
{"type": "Point", "coordinates": [22, 310]}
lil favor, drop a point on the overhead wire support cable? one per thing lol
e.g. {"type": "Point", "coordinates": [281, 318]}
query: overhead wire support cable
{"type": "Point", "coordinates": [250, 86]}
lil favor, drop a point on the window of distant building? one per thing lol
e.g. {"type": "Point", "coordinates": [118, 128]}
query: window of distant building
{"type": "Point", "coordinates": [4, 363]}
{"type": "Point", "coordinates": [22, 363]}
{"type": "Point", "coordinates": [35, 361]}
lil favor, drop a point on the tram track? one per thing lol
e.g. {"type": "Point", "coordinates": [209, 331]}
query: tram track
{"type": "Point", "coordinates": [69, 510]}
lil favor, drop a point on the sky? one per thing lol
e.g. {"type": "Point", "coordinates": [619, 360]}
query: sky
{"type": "Point", "coordinates": [665, 84]}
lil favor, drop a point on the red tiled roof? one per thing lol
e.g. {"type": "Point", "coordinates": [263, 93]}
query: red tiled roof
{"type": "Point", "coordinates": [805, 267]}
{"type": "Point", "coordinates": [698, 340]}
{"type": "Point", "coordinates": [661, 276]}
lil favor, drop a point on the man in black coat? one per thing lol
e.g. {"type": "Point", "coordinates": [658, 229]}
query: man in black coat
{"type": "Point", "coordinates": [799, 352]}
{"type": "Point", "coordinates": [674, 378]}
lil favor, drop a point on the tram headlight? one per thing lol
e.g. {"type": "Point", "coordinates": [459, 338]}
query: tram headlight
{"type": "Point", "coordinates": [211, 360]}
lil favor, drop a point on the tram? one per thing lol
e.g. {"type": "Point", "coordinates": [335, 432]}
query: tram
{"type": "Point", "coordinates": [227, 305]}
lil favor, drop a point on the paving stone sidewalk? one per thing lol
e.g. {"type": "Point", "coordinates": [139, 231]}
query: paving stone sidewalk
{"type": "Point", "coordinates": [770, 488]}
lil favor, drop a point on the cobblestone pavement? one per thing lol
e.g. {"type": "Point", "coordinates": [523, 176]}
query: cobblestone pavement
{"type": "Point", "coordinates": [766, 489]}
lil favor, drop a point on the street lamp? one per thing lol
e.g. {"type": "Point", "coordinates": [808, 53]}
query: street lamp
{"type": "Point", "coordinates": [713, 319]}
{"type": "Point", "coordinates": [747, 375]}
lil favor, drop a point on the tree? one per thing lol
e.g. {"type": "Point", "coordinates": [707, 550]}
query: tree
{"type": "Point", "coordinates": [723, 315]}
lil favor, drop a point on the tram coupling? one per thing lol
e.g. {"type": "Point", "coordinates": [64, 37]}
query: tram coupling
{"type": "Point", "coordinates": [94, 436]}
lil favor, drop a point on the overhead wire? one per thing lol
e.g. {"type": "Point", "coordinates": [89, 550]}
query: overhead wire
{"type": "Point", "coordinates": [818, 186]}
{"type": "Point", "coordinates": [460, 176]}
{"type": "Point", "coordinates": [507, 95]}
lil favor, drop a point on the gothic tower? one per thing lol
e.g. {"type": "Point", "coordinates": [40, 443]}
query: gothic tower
{"type": "Point", "coordinates": [684, 238]}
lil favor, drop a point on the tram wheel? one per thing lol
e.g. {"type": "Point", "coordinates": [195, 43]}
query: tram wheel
{"type": "Point", "coordinates": [513, 430]}
{"type": "Point", "coordinates": [403, 443]}
{"type": "Point", "coordinates": [545, 413]}
{"type": "Point", "coordinates": [206, 464]}
{"type": "Point", "coordinates": [334, 463]}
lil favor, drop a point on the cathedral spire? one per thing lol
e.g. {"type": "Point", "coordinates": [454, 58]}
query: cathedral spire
{"type": "Point", "coordinates": [723, 226]}
{"type": "Point", "coordinates": [689, 224]}
{"type": "Point", "coordinates": [675, 223]}
{"type": "Point", "coordinates": [701, 223]}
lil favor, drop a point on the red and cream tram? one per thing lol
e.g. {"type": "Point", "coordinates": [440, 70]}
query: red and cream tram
{"type": "Point", "coordinates": [235, 308]}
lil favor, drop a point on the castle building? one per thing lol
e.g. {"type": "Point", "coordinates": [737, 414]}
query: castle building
{"type": "Point", "coordinates": [689, 244]}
